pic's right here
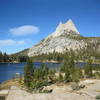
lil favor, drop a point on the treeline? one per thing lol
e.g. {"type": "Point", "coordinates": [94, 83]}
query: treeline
{"type": "Point", "coordinates": [4, 57]}
{"type": "Point", "coordinates": [82, 54]}
{"type": "Point", "coordinates": [55, 56]}
{"type": "Point", "coordinates": [19, 58]}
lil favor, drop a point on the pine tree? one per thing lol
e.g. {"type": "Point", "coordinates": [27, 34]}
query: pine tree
{"type": "Point", "coordinates": [66, 69]}
{"type": "Point", "coordinates": [76, 75]}
{"type": "Point", "coordinates": [28, 73]}
{"type": "Point", "coordinates": [71, 72]}
{"type": "Point", "coordinates": [1, 57]}
{"type": "Point", "coordinates": [88, 69]}
{"type": "Point", "coordinates": [5, 57]}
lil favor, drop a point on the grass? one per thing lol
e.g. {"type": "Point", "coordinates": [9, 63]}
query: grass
{"type": "Point", "coordinates": [7, 84]}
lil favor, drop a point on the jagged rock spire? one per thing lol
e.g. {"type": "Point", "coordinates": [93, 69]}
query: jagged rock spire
{"type": "Point", "coordinates": [69, 20]}
{"type": "Point", "coordinates": [71, 26]}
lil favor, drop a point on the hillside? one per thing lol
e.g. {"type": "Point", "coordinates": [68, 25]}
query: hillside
{"type": "Point", "coordinates": [21, 53]}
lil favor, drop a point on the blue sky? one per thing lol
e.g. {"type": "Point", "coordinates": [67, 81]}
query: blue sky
{"type": "Point", "coordinates": [24, 23]}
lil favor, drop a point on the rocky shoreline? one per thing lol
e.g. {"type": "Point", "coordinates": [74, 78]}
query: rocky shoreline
{"type": "Point", "coordinates": [60, 92]}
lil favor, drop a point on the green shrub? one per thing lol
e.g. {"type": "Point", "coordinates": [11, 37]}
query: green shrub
{"type": "Point", "coordinates": [46, 91]}
{"type": "Point", "coordinates": [97, 97]}
{"type": "Point", "coordinates": [60, 78]}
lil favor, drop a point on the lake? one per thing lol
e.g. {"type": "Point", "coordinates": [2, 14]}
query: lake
{"type": "Point", "coordinates": [9, 70]}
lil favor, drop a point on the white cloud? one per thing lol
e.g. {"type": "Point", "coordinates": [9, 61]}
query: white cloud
{"type": "Point", "coordinates": [21, 42]}
{"type": "Point", "coordinates": [24, 30]}
{"type": "Point", "coordinates": [10, 42]}
{"type": "Point", "coordinates": [7, 42]}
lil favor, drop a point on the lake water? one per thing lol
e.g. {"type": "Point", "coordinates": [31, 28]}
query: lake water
{"type": "Point", "coordinates": [8, 71]}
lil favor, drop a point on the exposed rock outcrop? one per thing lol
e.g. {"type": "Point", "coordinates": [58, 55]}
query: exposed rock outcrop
{"type": "Point", "coordinates": [59, 41]}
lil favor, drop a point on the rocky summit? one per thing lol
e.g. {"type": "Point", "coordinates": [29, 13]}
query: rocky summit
{"type": "Point", "coordinates": [65, 37]}
{"type": "Point", "coordinates": [61, 28]}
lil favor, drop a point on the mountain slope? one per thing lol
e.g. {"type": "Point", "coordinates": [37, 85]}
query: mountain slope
{"type": "Point", "coordinates": [21, 53]}
{"type": "Point", "coordinates": [66, 36]}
